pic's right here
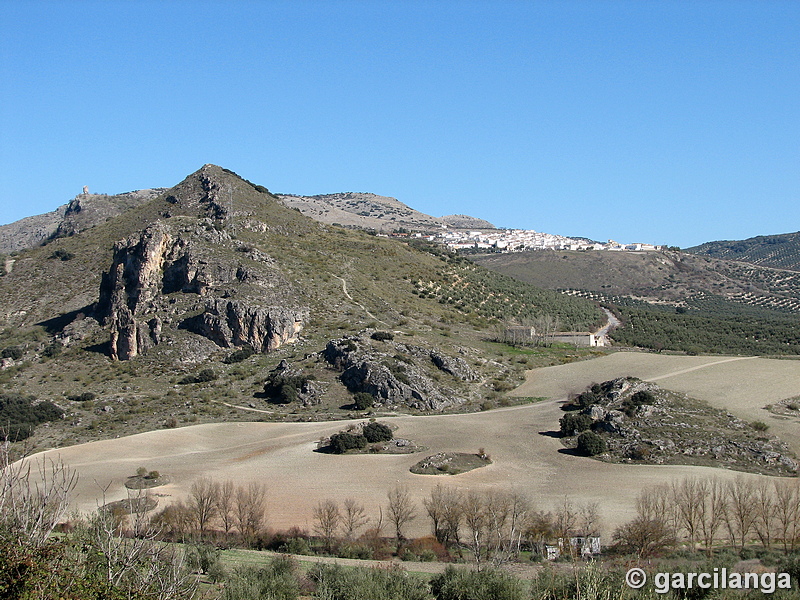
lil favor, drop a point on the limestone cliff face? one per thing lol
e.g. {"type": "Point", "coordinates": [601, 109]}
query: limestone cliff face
{"type": "Point", "coordinates": [232, 323]}
{"type": "Point", "coordinates": [147, 268]}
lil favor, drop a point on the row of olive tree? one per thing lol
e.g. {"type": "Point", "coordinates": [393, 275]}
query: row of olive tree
{"type": "Point", "coordinates": [709, 512]}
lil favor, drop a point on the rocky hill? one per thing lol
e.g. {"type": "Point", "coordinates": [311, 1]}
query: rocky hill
{"type": "Point", "coordinates": [778, 251]}
{"type": "Point", "coordinates": [79, 214]}
{"type": "Point", "coordinates": [178, 310]}
{"type": "Point", "coordinates": [380, 213]}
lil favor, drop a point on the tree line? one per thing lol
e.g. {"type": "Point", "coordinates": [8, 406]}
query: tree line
{"type": "Point", "coordinates": [707, 513]}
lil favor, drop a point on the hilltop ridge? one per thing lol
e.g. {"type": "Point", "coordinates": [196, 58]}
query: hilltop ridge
{"type": "Point", "coordinates": [371, 211]}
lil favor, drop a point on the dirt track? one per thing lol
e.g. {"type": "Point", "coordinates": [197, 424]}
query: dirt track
{"type": "Point", "coordinates": [525, 457]}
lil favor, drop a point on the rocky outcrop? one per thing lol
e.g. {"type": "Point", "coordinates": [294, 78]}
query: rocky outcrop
{"type": "Point", "coordinates": [81, 213]}
{"type": "Point", "coordinates": [157, 262]}
{"type": "Point", "coordinates": [232, 323]}
{"type": "Point", "coordinates": [641, 422]}
{"type": "Point", "coordinates": [395, 373]}
{"type": "Point", "coordinates": [455, 366]}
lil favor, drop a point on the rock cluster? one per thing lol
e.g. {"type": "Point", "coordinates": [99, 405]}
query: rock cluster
{"type": "Point", "coordinates": [662, 427]}
{"type": "Point", "coordinates": [232, 323]}
{"type": "Point", "coordinates": [396, 373]}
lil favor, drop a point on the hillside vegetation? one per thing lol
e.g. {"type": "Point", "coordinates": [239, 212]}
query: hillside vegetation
{"type": "Point", "coordinates": [673, 300]}
{"type": "Point", "coordinates": [779, 251]}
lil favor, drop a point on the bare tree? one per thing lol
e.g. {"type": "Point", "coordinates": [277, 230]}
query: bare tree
{"type": "Point", "coordinates": [657, 503]}
{"type": "Point", "coordinates": [740, 516]}
{"type": "Point", "coordinates": [787, 511]}
{"type": "Point", "coordinates": [589, 520]}
{"type": "Point", "coordinates": [688, 496]}
{"type": "Point", "coordinates": [540, 528]}
{"type": "Point", "coordinates": [137, 561]}
{"type": "Point", "coordinates": [176, 519]}
{"type": "Point", "coordinates": [401, 510]}
{"type": "Point", "coordinates": [452, 515]}
{"type": "Point", "coordinates": [226, 505]}
{"type": "Point", "coordinates": [498, 506]}
{"type": "Point", "coordinates": [472, 508]}
{"type": "Point", "coordinates": [354, 517]}
{"type": "Point", "coordinates": [326, 522]}
{"type": "Point", "coordinates": [33, 501]}
{"type": "Point", "coordinates": [764, 509]}
{"type": "Point", "coordinates": [566, 518]}
{"type": "Point", "coordinates": [250, 509]}
{"type": "Point", "coordinates": [518, 509]}
{"type": "Point", "coordinates": [644, 536]}
{"type": "Point", "coordinates": [203, 496]}
{"type": "Point", "coordinates": [435, 507]}
{"type": "Point", "coordinates": [712, 511]}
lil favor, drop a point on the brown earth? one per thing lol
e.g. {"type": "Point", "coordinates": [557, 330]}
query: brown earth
{"type": "Point", "coordinates": [525, 457]}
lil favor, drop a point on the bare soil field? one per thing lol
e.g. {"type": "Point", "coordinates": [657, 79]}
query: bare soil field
{"type": "Point", "coordinates": [521, 441]}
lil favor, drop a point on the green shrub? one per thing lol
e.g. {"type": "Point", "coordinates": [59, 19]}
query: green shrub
{"type": "Point", "coordinates": [587, 399]}
{"type": "Point", "coordinates": [640, 398]}
{"type": "Point", "coordinates": [12, 352]}
{"type": "Point", "coordinates": [19, 416]}
{"type": "Point", "coordinates": [277, 581]}
{"type": "Point", "coordinates": [62, 254]}
{"type": "Point", "coordinates": [342, 442]}
{"type": "Point", "coordinates": [283, 389]}
{"type": "Point", "coordinates": [335, 582]}
{"type": "Point", "coordinates": [202, 377]}
{"type": "Point", "coordinates": [572, 424]}
{"type": "Point", "coordinates": [590, 444]}
{"type": "Point", "coordinates": [239, 355]}
{"type": "Point", "coordinates": [363, 400]}
{"type": "Point", "coordinates": [382, 336]}
{"type": "Point", "coordinates": [377, 432]}
{"type": "Point", "coordinates": [53, 349]}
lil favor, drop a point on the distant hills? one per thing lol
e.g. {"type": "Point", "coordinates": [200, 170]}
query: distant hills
{"type": "Point", "coordinates": [780, 251]}
{"type": "Point", "coordinates": [672, 300]}
{"type": "Point", "coordinates": [370, 211]}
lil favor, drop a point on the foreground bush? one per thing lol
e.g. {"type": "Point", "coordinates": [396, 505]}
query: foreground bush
{"type": "Point", "coordinates": [277, 581]}
{"type": "Point", "coordinates": [337, 583]}
{"type": "Point", "coordinates": [462, 584]}
{"type": "Point", "coordinates": [590, 444]}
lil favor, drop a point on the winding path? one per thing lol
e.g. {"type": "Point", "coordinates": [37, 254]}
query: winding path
{"type": "Point", "coordinates": [364, 308]}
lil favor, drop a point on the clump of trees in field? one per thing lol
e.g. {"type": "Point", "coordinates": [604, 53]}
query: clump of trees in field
{"type": "Point", "coordinates": [357, 438]}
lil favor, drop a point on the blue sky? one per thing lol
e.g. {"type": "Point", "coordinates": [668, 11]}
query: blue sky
{"type": "Point", "coordinates": [665, 122]}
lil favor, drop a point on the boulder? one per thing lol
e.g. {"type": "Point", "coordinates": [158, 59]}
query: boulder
{"type": "Point", "coordinates": [455, 366]}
